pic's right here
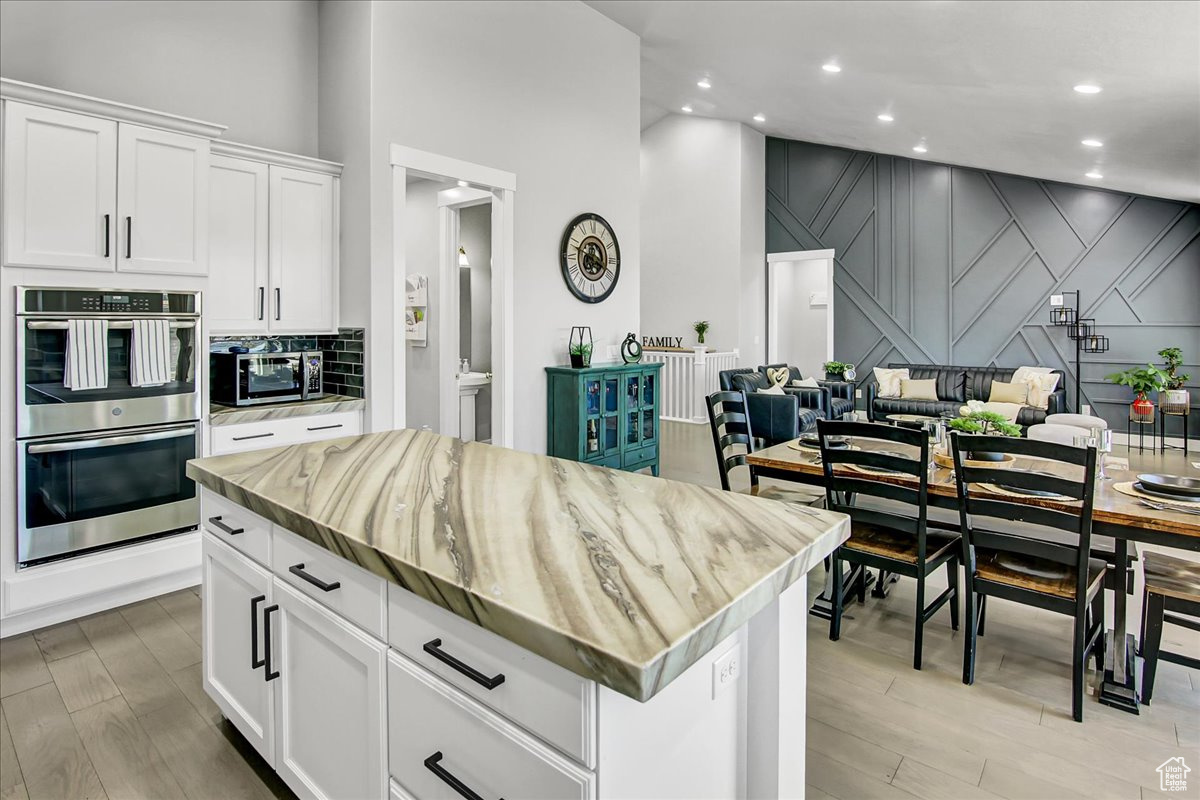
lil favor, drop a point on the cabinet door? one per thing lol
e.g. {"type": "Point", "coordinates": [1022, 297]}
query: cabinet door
{"type": "Point", "coordinates": [162, 202]}
{"type": "Point", "coordinates": [236, 594]}
{"type": "Point", "coordinates": [330, 700]}
{"type": "Point", "coordinates": [303, 281]}
{"type": "Point", "coordinates": [610, 414]}
{"type": "Point", "coordinates": [60, 189]}
{"type": "Point", "coordinates": [237, 245]}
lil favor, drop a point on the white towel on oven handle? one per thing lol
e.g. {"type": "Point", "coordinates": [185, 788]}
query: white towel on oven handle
{"type": "Point", "coordinates": [150, 352]}
{"type": "Point", "coordinates": [87, 354]}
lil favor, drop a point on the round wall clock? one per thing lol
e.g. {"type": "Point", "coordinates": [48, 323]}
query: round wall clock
{"type": "Point", "coordinates": [590, 258]}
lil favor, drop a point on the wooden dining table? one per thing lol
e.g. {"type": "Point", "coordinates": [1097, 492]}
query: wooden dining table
{"type": "Point", "coordinates": [1116, 515]}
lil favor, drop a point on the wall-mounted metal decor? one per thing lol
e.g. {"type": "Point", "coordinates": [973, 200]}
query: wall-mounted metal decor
{"type": "Point", "coordinates": [1080, 330]}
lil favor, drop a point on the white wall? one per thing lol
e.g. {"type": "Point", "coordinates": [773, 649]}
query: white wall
{"type": "Point", "coordinates": [475, 235]}
{"type": "Point", "coordinates": [251, 66]}
{"type": "Point", "coordinates": [421, 366]}
{"type": "Point", "coordinates": [703, 231]}
{"type": "Point", "coordinates": [799, 332]}
{"type": "Point", "coordinates": [548, 91]}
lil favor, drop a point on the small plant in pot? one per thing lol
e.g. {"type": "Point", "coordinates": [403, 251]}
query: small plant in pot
{"type": "Point", "coordinates": [581, 355]}
{"type": "Point", "coordinates": [700, 328]}
{"type": "Point", "coordinates": [1174, 394]}
{"type": "Point", "coordinates": [838, 371]}
{"type": "Point", "coordinates": [1142, 380]}
{"type": "Point", "coordinates": [986, 423]}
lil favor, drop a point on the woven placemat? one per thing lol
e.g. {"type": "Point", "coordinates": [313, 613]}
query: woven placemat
{"type": "Point", "coordinates": [1127, 489]}
{"type": "Point", "coordinates": [886, 473]}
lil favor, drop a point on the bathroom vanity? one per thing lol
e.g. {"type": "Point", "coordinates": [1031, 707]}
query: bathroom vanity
{"type": "Point", "coordinates": [406, 615]}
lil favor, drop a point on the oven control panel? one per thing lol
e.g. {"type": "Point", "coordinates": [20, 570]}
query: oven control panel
{"type": "Point", "coordinates": [120, 303]}
{"type": "Point", "coordinates": [101, 302]}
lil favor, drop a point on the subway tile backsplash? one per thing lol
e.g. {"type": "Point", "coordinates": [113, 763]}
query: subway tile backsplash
{"type": "Point", "coordinates": [344, 352]}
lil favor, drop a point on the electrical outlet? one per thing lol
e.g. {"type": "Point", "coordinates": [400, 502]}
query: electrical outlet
{"type": "Point", "coordinates": [726, 670]}
{"type": "Point", "coordinates": [757, 339]}
{"type": "Point", "coordinates": [614, 352]}
{"type": "Point", "coordinates": [1085, 409]}
{"type": "Point", "coordinates": [858, 394]}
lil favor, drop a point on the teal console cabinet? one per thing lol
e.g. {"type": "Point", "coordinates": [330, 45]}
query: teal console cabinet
{"type": "Point", "coordinates": [605, 415]}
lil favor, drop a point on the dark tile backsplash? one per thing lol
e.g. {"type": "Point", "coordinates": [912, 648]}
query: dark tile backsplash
{"type": "Point", "coordinates": [345, 356]}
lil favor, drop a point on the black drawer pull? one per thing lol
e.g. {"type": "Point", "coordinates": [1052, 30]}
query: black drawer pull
{"type": "Point", "coordinates": [129, 237]}
{"type": "Point", "coordinates": [106, 235]}
{"type": "Point", "coordinates": [271, 674]}
{"type": "Point", "coordinates": [298, 571]}
{"type": "Point", "coordinates": [432, 647]}
{"type": "Point", "coordinates": [255, 661]}
{"type": "Point", "coordinates": [262, 290]}
{"type": "Point", "coordinates": [325, 427]}
{"type": "Point", "coordinates": [253, 436]}
{"type": "Point", "coordinates": [216, 523]}
{"type": "Point", "coordinates": [448, 778]}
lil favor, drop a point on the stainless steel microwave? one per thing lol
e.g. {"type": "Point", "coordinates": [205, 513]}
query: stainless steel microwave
{"type": "Point", "coordinates": [247, 379]}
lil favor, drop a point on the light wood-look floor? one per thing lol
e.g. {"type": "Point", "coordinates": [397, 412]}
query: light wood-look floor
{"type": "Point", "coordinates": [111, 705]}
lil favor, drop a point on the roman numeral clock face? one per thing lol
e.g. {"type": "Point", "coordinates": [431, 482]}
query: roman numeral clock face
{"type": "Point", "coordinates": [590, 258]}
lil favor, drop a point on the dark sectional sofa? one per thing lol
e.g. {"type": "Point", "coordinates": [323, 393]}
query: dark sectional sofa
{"type": "Point", "coordinates": [955, 386]}
{"type": "Point", "coordinates": [780, 418]}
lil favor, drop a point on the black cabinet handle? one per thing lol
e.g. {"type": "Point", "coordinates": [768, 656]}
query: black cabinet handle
{"type": "Point", "coordinates": [216, 523]}
{"type": "Point", "coordinates": [255, 436]}
{"type": "Point", "coordinates": [324, 427]}
{"type": "Point", "coordinates": [432, 647]}
{"type": "Point", "coordinates": [129, 237]}
{"type": "Point", "coordinates": [262, 299]}
{"type": "Point", "coordinates": [255, 661]}
{"type": "Point", "coordinates": [298, 571]}
{"type": "Point", "coordinates": [271, 674]}
{"type": "Point", "coordinates": [106, 235]}
{"type": "Point", "coordinates": [277, 302]}
{"type": "Point", "coordinates": [448, 778]}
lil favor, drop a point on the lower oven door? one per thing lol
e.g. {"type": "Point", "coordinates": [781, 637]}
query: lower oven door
{"type": "Point", "coordinates": [80, 493]}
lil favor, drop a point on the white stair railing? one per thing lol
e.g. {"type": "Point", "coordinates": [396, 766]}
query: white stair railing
{"type": "Point", "coordinates": [687, 378]}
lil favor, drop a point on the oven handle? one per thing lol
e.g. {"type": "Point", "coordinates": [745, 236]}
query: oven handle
{"type": "Point", "coordinates": [114, 325]}
{"type": "Point", "coordinates": [110, 441]}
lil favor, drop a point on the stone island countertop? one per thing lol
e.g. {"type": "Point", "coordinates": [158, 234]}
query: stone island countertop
{"type": "Point", "coordinates": [621, 578]}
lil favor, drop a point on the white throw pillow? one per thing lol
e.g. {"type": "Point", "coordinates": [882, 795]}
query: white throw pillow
{"type": "Point", "coordinates": [1014, 392]}
{"type": "Point", "coordinates": [918, 390]}
{"type": "Point", "coordinates": [1041, 382]}
{"type": "Point", "coordinates": [807, 383]}
{"type": "Point", "coordinates": [771, 390]}
{"type": "Point", "coordinates": [889, 381]}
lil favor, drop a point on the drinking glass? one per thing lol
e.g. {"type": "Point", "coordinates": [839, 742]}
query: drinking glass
{"type": "Point", "coordinates": [1104, 445]}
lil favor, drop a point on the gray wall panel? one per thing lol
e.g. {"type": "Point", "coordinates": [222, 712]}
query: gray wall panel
{"type": "Point", "coordinates": [953, 265]}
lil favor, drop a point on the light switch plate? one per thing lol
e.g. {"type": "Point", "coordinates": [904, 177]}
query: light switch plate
{"type": "Point", "coordinates": [726, 670]}
{"type": "Point", "coordinates": [1086, 409]}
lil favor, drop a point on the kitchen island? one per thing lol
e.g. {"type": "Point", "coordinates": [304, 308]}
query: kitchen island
{"type": "Point", "coordinates": [405, 613]}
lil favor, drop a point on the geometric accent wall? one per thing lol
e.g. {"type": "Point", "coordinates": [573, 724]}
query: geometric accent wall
{"type": "Point", "coordinates": [950, 265]}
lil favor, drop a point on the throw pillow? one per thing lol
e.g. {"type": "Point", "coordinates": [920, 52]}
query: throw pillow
{"type": "Point", "coordinates": [889, 381]}
{"type": "Point", "coordinates": [1008, 392]}
{"type": "Point", "coordinates": [778, 376]}
{"type": "Point", "coordinates": [918, 390]}
{"type": "Point", "coordinates": [772, 390]}
{"type": "Point", "coordinates": [1041, 386]}
{"type": "Point", "coordinates": [807, 383]}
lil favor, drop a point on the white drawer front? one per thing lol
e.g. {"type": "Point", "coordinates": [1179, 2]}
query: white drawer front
{"type": "Point", "coordinates": [541, 697]}
{"type": "Point", "coordinates": [325, 426]}
{"type": "Point", "coordinates": [247, 436]}
{"type": "Point", "coordinates": [238, 527]}
{"type": "Point", "coordinates": [489, 755]}
{"type": "Point", "coordinates": [359, 597]}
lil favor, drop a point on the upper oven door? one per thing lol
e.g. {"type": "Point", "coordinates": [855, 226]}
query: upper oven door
{"type": "Point", "coordinates": [45, 406]}
{"type": "Point", "coordinates": [270, 378]}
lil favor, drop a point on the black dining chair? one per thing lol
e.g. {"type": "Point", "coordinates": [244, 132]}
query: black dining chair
{"type": "Point", "coordinates": [893, 540]}
{"type": "Point", "coordinates": [733, 440]}
{"type": "Point", "coordinates": [1172, 594]}
{"type": "Point", "coordinates": [1055, 574]}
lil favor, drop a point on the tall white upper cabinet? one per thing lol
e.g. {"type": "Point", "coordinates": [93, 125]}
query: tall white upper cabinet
{"type": "Point", "coordinates": [97, 185]}
{"type": "Point", "coordinates": [273, 241]}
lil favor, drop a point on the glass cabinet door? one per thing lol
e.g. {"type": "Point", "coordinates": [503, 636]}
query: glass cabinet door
{"type": "Point", "coordinates": [612, 441]}
{"type": "Point", "coordinates": [612, 395]}
{"type": "Point", "coordinates": [632, 428]}
{"type": "Point", "coordinates": [632, 391]}
{"type": "Point", "coordinates": [649, 420]}
{"type": "Point", "coordinates": [649, 387]}
{"type": "Point", "coordinates": [591, 388]}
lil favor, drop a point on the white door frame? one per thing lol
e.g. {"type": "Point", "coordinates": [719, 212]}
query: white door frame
{"type": "Point", "coordinates": [502, 187]}
{"type": "Point", "coordinates": [792, 257]}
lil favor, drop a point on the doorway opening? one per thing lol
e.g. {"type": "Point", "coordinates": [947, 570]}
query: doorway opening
{"type": "Point", "coordinates": [800, 309]}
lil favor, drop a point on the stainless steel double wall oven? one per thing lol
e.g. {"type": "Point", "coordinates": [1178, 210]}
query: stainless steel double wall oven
{"type": "Point", "coordinates": [102, 467]}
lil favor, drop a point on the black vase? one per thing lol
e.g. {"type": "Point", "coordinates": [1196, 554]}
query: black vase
{"type": "Point", "coordinates": [835, 376]}
{"type": "Point", "coordinates": [579, 361]}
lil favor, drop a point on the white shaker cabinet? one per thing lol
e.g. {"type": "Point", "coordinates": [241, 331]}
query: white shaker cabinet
{"type": "Point", "coordinates": [303, 251]}
{"type": "Point", "coordinates": [162, 202]}
{"type": "Point", "coordinates": [236, 594]}
{"type": "Point", "coordinates": [60, 188]}
{"type": "Point", "coordinates": [238, 193]}
{"type": "Point", "coordinates": [330, 703]}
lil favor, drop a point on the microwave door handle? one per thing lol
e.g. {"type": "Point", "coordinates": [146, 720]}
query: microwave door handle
{"type": "Point", "coordinates": [110, 441]}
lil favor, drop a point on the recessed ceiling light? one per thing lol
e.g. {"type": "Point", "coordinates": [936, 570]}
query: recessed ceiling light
{"type": "Point", "coordinates": [1087, 88]}
{"type": "Point", "coordinates": [759, 118]}
{"type": "Point", "coordinates": [704, 83]}
{"type": "Point", "coordinates": [686, 109]}
{"type": "Point", "coordinates": [463, 184]}
{"type": "Point", "coordinates": [1092, 143]}
{"type": "Point", "coordinates": [1094, 175]}
{"type": "Point", "coordinates": [885, 118]}
{"type": "Point", "coordinates": [920, 149]}
{"type": "Point", "coordinates": [831, 68]}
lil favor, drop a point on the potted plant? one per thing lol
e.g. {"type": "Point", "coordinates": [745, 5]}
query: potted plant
{"type": "Point", "coordinates": [986, 423]}
{"type": "Point", "coordinates": [838, 371]}
{"type": "Point", "coordinates": [700, 328]}
{"type": "Point", "coordinates": [1174, 394]}
{"type": "Point", "coordinates": [1142, 381]}
{"type": "Point", "coordinates": [579, 347]}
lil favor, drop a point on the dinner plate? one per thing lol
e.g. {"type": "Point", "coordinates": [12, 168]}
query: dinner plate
{"type": "Point", "coordinates": [1176, 485]}
{"type": "Point", "coordinates": [1178, 498]}
{"type": "Point", "coordinates": [1032, 492]}
{"type": "Point", "coordinates": [833, 442]}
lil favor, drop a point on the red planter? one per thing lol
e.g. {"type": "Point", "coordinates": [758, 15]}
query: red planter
{"type": "Point", "coordinates": [1142, 406]}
